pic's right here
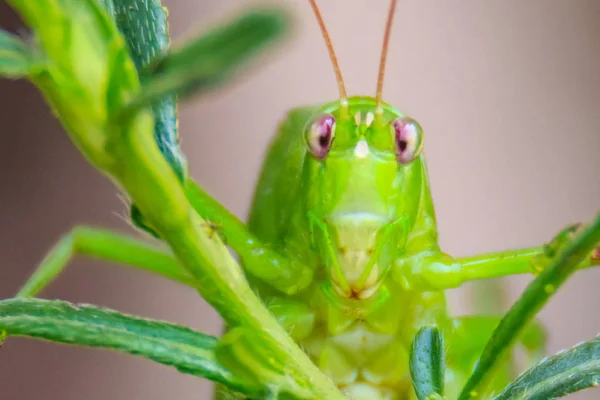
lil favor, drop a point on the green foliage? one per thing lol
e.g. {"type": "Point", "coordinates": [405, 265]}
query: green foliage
{"type": "Point", "coordinates": [428, 364]}
{"type": "Point", "coordinates": [143, 24]}
{"type": "Point", "coordinates": [212, 59]}
{"type": "Point", "coordinates": [200, 65]}
{"type": "Point", "coordinates": [564, 373]}
{"type": "Point", "coordinates": [92, 85]}
{"type": "Point", "coordinates": [566, 254]}
{"type": "Point", "coordinates": [177, 346]}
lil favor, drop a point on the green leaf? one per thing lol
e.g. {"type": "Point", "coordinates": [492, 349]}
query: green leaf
{"type": "Point", "coordinates": [210, 60]}
{"type": "Point", "coordinates": [108, 6]}
{"type": "Point", "coordinates": [566, 372]}
{"type": "Point", "coordinates": [564, 257]}
{"type": "Point", "coordinates": [427, 363]}
{"type": "Point", "coordinates": [144, 25]}
{"type": "Point", "coordinates": [189, 351]}
{"type": "Point", "coordinates": [16, 59]}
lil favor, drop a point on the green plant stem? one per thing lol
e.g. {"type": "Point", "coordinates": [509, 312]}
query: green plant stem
{"type": "Point", "coordinates": [153, 185]}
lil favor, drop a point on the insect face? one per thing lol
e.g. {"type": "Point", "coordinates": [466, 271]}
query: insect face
{"type": "Point", "coordinates": [363, 175]}
{"type": "Point", "coordinates": [358, 170]}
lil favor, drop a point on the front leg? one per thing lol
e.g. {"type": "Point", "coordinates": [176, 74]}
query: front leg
{"type": "Point", "coordinates": [284, 272]}
{"type": "Point", "coordinates": [435, 270]}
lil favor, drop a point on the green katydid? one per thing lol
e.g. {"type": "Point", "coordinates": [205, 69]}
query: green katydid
{"type": "Point", "coordinates": [341, 245]}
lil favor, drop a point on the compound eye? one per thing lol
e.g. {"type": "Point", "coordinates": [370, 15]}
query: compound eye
{"type": "Point", "coordinates": [320, 135]}
{"type": "Point", "coordinates": [409, 139]}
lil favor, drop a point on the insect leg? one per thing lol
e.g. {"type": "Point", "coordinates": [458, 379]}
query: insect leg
{"type": "Point", "coordinates": [434, 274]}
{"type": "Point", "coordinates": [105, 245]}
{"type": "Point", "coordinates": [296, 317]}
{"type": "Point", "coordinates": [284, 272]}
{"type": "Point", "coordinates": [438, 271]}
{"type": "Point", "coordinates": [531, 260]}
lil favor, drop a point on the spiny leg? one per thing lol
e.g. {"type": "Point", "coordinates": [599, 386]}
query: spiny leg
{"type": "Point", "coordinates": [531, 260]}
{"type": "Point", "coordinates": [439, 271]}
{"type": "Point", "coordinates": [105, 245]}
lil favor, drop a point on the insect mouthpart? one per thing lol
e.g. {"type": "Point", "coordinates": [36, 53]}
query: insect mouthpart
{"type": "Point", "coordinates": [356, 265]}
{"type": "Point", "coordinates": [362, 149]}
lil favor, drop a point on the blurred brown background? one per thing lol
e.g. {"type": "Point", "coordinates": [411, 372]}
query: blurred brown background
{"type": "Point", "coordinates": [508, 93]}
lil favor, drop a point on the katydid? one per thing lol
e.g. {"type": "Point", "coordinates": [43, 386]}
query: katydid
{"type": "Point", "coordinates": [341, 245]}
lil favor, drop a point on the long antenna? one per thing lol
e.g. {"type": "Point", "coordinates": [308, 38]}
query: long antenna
{"type": "Point", "coordinates": [384, 51]}
{"type": "Point", "coordinates": [334, 61]}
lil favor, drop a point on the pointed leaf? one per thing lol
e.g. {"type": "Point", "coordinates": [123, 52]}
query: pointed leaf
{"type": "Point", "coordinates": [427, 363]}
{"type": "Point", "coordinates": [189, 351]}
{"type": "Point", "coordinates": [566, 372]}
{"type": "Point", "coordinates": [144, 25]}
{"type": "Point", "coordinates": [208, 61]}
{"type": "Point", "coordinates": [565, 255]}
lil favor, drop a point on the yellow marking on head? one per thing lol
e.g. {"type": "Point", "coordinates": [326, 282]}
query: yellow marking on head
{"type": "Point", "coordinates": [369, 119]}
{"type": "Point", "coordinates": [361, 150]}
{"type": "Point", "coordinates": [357, 118]}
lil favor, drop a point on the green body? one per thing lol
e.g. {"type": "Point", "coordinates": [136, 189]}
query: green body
{"type": "Point", "coordinates": [342, 216]}
{"type": "Point", "coordinates": [361, 336]}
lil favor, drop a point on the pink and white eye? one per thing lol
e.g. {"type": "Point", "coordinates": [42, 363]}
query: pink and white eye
{"type": "Point", "coordinates": [409, 139]}
{"type": "Point", "coordinates": [320, 136]}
